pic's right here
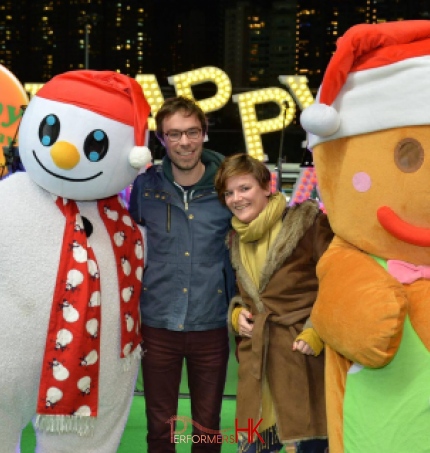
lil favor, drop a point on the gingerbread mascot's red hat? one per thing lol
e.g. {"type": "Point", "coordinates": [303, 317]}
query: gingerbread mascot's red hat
{"type": "Point", "coordinates": [374, 81]}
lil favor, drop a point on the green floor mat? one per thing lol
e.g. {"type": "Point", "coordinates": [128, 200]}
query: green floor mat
{"type": "Point", "coordinates": [133, 439]}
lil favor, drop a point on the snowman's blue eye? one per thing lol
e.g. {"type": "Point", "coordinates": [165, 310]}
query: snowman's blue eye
{"type": "Point", "coordinates": [94, 156]}
{"type": "Point", "coordinates": [99, 135]}
{"type": "Point", "coordinates": [46, 140]}
{"type": "Point", "coordinates": [49, 130]}
{"type": "Point", "coordinates": [96, 145]}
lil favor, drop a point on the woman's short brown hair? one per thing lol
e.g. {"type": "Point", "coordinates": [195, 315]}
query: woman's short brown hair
{"type": "Point", "coordinates": [240, 164]}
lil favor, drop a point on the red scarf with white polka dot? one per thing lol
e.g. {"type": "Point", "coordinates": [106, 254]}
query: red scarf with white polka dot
{"type": "Point", "coordinates": [68, 391]}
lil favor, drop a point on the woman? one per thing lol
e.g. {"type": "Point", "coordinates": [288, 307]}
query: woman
{"type": "Point", "coordinates": [274, 250]}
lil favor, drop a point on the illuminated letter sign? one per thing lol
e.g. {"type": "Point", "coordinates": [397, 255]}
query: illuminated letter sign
{"type": "Point", "coordinates": [184, 82]}
{"type": "Point", "coordinates": [252, 128]}
{"type": "Point", "coordinates": [153, 95]}
{"type": "Point", "coordinates": [299, 89]}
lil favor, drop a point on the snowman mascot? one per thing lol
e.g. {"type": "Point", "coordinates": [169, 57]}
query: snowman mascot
{"type": "Point", "coordinates": [71, 261]}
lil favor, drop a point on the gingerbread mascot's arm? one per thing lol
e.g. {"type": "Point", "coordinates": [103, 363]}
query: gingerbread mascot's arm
{"type": "Point", "coordinates": [360, 308]}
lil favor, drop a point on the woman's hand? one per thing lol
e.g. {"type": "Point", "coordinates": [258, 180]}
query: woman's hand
{"type": "Point", "coordinates": [246, 324]}
{"type": "Point", "coordinates": [303, 347]}
{"type": "Point", "coordinates": [308, 342]}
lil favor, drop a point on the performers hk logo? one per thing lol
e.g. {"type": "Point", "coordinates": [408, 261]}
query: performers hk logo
{"type": "Point", "coordinates": [210, 436]}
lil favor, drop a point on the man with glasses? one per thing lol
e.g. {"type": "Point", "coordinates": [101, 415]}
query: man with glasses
{"type": "Point", "coordinates": [188, 280]}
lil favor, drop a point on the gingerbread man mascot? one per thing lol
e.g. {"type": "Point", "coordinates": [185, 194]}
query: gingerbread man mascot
{"type": "Point", "coordinates": [369, 130]}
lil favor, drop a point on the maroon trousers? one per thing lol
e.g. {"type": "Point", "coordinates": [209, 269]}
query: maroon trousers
{"type": "Point", "coordinates": [206, 356]}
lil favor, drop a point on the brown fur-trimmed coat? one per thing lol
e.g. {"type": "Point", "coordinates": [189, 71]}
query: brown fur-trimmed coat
{"type": "Point", "coordinates": [280, 307]}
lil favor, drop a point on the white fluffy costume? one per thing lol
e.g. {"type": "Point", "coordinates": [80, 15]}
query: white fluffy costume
{"type": "Point", "coordinates": [70, 338]}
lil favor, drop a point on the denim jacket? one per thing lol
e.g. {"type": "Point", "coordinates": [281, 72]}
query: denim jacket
{"type": "Point", "coordinates": [188, 280]}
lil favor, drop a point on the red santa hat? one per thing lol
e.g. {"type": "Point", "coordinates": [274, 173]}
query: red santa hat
{"type": "Point", "coordinates": [108, 93]}
{"type": "Point", "coordinates": [377, 79]}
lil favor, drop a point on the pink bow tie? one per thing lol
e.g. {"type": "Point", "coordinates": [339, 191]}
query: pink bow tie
{"type": "Point", "coordinates": [406, 272]}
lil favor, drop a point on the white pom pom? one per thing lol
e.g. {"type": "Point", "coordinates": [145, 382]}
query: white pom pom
{"type": "Point", "coordinates": [139, 156]}
{"type": "Point", "coordinates": [320, 119]}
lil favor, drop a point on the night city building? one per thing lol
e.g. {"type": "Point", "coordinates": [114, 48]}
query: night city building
{"type": "Point", "coordinates": [320, 24]}
{"type": "Point", "coordinates": [259, 42]}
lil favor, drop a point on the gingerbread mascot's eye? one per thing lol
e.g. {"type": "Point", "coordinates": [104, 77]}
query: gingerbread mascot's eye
{"type": "Point", "coordinates": [409, 155]}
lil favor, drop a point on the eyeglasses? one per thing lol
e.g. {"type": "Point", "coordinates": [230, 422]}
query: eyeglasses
{"type": "Point", "coordinates": [192, 134]}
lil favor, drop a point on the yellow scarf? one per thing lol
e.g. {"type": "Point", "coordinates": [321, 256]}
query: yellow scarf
{"type": "Point", "coordinates": [257, 236]}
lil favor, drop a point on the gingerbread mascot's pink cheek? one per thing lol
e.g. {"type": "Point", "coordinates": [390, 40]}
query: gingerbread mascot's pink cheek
{"type": "Point", "coordinates": [361, 181]}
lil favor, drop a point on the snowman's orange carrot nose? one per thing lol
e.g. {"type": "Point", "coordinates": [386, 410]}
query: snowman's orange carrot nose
{"type": "Point", "coordinates": [65, 155]}
{"type": "Point", "coordinates": [401, 229]}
